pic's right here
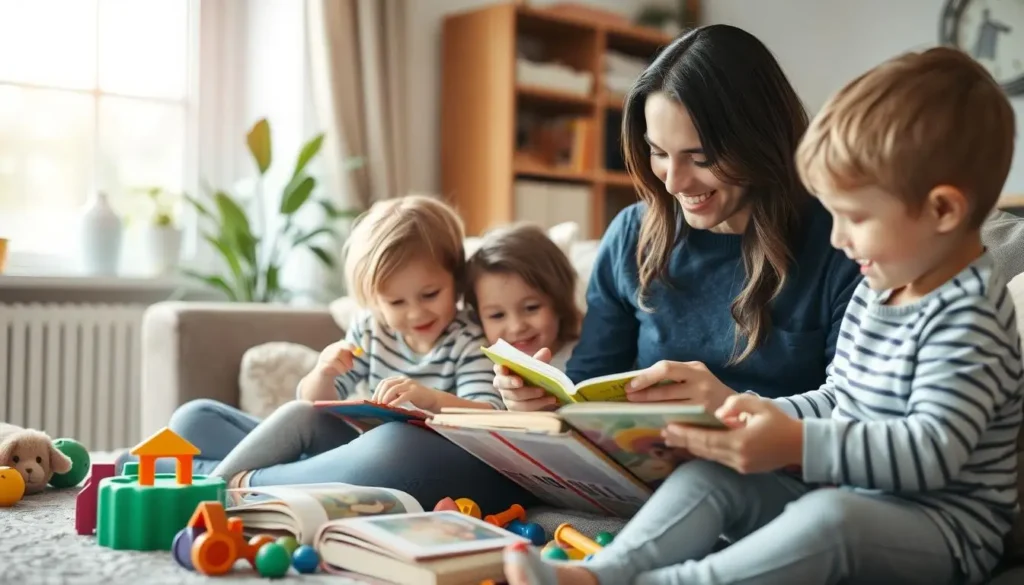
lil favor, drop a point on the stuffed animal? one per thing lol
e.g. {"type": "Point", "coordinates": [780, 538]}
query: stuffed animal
{"type": "Point", "coordinates": [32, 453]}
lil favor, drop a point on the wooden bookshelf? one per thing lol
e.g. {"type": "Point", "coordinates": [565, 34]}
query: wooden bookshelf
{"type": "Point", "coordinates": [483, 106]}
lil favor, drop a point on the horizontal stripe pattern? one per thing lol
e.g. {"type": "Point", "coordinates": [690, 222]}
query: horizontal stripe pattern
{"type": "Point", "coordinates": [455, 365]}
{"type": "Point", "coordinates": [923, 401]}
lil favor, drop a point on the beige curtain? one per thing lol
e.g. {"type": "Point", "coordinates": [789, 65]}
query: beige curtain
{"type": "Point", "coordinates": [357, 74]}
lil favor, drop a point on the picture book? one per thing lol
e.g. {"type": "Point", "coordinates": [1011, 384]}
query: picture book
{"type": "Point", "coordinates": [416, 548]}
{"type": "Point", "coordinates": [364, 415]}
{"type": "Point", "coordinates": [608, 455]}
{"type": "Point", "coordinates": [537, 373]}
{"type": "Point", "coordinates": [300, 510]}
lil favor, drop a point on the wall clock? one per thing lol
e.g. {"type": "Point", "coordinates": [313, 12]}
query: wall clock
{"type": "Point", "coordinates": [992, 31]}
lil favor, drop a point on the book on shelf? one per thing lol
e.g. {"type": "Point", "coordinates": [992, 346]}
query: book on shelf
{"type": "Point", "coordinates": [603, 458]}
{"type": "Point", "coordinates": [435, 548]}
{"type": "Point", "coordinates": [610, 388]}
{"type": "Point", "coordinates": [301, 510]}
{"type": "Point", "coordinates": [364, 415]}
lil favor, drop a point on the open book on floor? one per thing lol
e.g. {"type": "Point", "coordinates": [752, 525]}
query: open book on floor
{"type": "Point", "coordinates": [301, 510]}
{"type": "Point", "coordinates": [430, 548]}
{"type": "Point", "coordinates": [554, 381]}
{"type": "Point", "coordinates": [603, 458]}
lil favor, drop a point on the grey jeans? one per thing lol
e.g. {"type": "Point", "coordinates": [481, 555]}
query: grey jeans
{"type": "Point", "coordinates": [782, 533]}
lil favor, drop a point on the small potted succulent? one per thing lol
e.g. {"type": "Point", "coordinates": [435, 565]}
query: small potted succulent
{"type": "Point", "coordinates": [160, 237]}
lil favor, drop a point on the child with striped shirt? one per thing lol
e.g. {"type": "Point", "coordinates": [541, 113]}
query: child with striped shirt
{"type": "Point", "coordinates": [405, 264]}
{"type": "Point", "coordinates": [907, 453]}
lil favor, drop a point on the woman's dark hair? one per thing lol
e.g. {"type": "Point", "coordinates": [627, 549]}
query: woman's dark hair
{"type": "Point", "coordinates": [750, 121]}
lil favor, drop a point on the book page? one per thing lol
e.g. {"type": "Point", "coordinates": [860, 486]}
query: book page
{"type": "Point", "coordinates": [426, 535]}
{"type": "Point", "coordinates": [562, 470]}
{"type": "Point", "coordinates": [364, 415]}
{"type": "Point", "coordinates": [312, 505]}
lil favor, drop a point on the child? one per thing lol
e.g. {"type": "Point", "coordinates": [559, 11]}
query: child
{"type": "Point", "coordinates": [908, 450]}
{"type": "Point", "coordinates": [521, 286]}
{"type": "Point", "coordinates": [405, 265]}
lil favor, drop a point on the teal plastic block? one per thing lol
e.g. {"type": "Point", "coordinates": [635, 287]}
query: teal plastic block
{"type": "Point", "coordinates": [134, 517]}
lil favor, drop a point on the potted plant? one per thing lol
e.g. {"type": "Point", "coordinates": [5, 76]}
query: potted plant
{"type": "Point", "coordinates": [252, 254]}
{"type": "Point", "coordinates": [159, 236]}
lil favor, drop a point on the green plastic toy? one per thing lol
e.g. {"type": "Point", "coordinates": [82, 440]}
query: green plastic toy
{"type": "Point", "coordinates": [80, 463]}
{"type": "Point", "coordinates": [273, 560]}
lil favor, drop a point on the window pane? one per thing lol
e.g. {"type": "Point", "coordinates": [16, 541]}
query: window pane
{"type": "Point", "coordinates": [48, 42]}
{"type": "Point", "coordinates": [142, 144]}
{"type": "Point", "coordinates": [46, 161]}
{"type": "Point", "coordinates": [144, 47]}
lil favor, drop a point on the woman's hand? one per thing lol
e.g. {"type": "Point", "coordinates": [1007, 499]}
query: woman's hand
{"type": "Point", "coordinates": [761, 437]}
{"type": "Point", "coordinates": [516, 396]}
{"type": "Point", "coordinates": [689, 382]}
{"type": "Point", "coordinates": [397, 389]}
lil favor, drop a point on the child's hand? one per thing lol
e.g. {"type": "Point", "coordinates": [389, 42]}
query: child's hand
{"type": "Point", "coordinates": [392, 391]}
{"type": "Point", "coordinates": [761, 437]}
{"type": "Point", "coordinates": [336, 359]}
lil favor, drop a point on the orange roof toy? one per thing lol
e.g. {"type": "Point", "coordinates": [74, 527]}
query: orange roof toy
{"type": "Point", "coordinates": [165, 443]}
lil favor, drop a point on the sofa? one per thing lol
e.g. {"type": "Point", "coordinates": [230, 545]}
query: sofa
{"type": "Point", "coordinates": [213, 350]}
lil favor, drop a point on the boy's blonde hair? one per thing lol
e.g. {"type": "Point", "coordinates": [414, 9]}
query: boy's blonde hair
{"type": "Point", "coordinates": [525, 250]}
{"type": "Point", "coordinates": [393, 232]}
{"type": "Point", "coordinates": [911, 124]}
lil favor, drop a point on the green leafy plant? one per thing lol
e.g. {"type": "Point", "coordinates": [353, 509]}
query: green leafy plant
{"type": "Point", "coordinates": [254, 256]}
{"type": "Point", "coordinates": [163, 206]}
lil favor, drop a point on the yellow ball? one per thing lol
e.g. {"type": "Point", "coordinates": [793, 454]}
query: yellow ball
{"type": "Point", "coordinates": [12, 486]}
{"type": "Point", "coordinates": [468, 507]}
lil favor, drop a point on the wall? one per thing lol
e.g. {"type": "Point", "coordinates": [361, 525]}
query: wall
{"type": "Point", "coordinates": [840, 39]}
{"type": "Point", "coordinates": [424, 21]}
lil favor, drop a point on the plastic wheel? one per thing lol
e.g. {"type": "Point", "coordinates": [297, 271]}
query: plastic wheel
{"type": "Point", "coordinates": [214, 553]}
{"type": "Point", "coordinates": [181, 548]}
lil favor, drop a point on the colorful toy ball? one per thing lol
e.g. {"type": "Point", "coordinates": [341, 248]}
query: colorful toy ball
{"type": "Point", "coordinates": [289, 543]}
{"type": "Point", "coordinates": [272, 560]}
{"type": "Point", "coordinates": [305, 559]}
{"type": "Point", "coordinates": [554, 552]}
{"type": "Point", "coordinates": [603, 538]}
{"type": "Point", "coordinates": [80, 463]}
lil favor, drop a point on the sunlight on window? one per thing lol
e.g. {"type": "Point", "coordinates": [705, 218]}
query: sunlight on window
{"type": "Point", "coordinates": [93, 95]}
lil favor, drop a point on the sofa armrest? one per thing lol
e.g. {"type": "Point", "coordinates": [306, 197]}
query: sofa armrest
{"type": "Point", "coordinates": [194, 350]}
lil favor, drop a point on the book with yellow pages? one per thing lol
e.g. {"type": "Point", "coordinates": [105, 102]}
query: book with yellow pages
{"type": "Point", "coordinates": [610, 388]}
{"type": "Point", "coordinates": [596, 457]}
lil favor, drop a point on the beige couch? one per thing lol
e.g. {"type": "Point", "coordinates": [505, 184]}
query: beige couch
{"type": "Point", "coordinates": [195, 350]}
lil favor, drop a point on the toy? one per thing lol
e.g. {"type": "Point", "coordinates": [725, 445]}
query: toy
{"type": "Point", "coordinates": [80, 463]}
{"type": "Point", "coordinates": [32, 454]}
{"type": "Point", "coordinates": [211, 542]}
{"type": "Point", "coordinates": [568, 537]}
{"type": "Point", "coordinates": [145, 511]}
{"type": "Point", "coordinates": [272, 560]}
{"type": "Point", "coordinates": [289, 543]}
{"type": "Point", "coordinates": [12, 487]}
{"type": "Point", "coordinates": [514, 512]}
{"type": "Point", "coordinates": [305, 559]}
{"type": "Point", "coordinates": [603, 538]}
{"type": "Point", "coordinates": [533, 531]}
{"type": "Point", "coordinates": [468, 507]}
{"type": "Point", "coordinates": [554, 552]}
{"type": "Point", "coordinates": [85, 501]}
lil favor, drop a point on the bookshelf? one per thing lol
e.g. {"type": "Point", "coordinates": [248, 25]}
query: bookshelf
{"type": "Point", "coordinates": [493, 111]}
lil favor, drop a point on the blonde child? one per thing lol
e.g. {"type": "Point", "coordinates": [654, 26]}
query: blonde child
{"type": "Point", "coordinates": [405, 267]}
{"type": "Point", "coordinates": [522, 288]}
{"type": "Point", "coordinates": [908, 450]}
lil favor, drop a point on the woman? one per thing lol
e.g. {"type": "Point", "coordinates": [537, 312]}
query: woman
{"type": "Point", "coordinates": [722, 278]}
{"type": "Point", "coordinates": [732, 258]}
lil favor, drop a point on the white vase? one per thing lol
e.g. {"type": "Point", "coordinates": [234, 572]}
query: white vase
{"type": "Point", "coordinates": [100, 237]}
{"type": "Point", "coordinates": [161, 249]}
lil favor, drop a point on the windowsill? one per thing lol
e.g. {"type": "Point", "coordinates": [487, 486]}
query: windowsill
{"type": "Point", "coordinates": [71, 282]}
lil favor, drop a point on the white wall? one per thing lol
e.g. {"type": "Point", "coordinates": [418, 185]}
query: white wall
{"type": "Point", "coordinates": [424, 21]}
{"type": "Point", "coordinates": [822, 44]}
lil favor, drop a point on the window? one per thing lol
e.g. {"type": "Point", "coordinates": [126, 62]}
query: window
{"type": "Point", "coordinates": [94, 95]}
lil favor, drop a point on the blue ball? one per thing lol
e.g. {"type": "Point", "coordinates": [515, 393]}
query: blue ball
{"type": "Point", "coordinates": [305, 559]}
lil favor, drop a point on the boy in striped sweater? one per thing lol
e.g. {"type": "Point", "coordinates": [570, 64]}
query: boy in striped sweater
{"type": "Point", "coordinates": [907, 454]}
{"type": "Point", "coordinates": [405, 265]}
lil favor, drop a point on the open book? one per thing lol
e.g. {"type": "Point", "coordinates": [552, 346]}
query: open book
{"type": "Point", "coordinates": [301, 510]}
{"type": "Point", "coordinates": [537, 373]}
{"type": "Point", "coordinates": [416, 549]}
{"type": "Point", "coordinates": [603, 458]}
{"type": "Point", "coordinates": [364, 415]}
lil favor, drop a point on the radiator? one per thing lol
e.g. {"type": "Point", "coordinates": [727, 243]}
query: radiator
{"type": "Point", "coordinates": [72, 370]}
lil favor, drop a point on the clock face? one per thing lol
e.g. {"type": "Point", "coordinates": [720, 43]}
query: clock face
{"type": "Point", "coordinates": [992, 31]}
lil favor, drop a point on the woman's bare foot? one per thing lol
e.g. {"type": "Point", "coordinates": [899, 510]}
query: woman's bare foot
{"type": "Point", "coordinates": [523, 566]}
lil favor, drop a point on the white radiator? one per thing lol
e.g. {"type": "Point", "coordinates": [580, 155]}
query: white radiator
{"type": "Point", "coordinates": [72, 370]}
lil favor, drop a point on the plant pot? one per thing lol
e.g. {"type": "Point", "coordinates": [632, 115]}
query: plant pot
{"type": "Point", "coordinates": [161, 249]}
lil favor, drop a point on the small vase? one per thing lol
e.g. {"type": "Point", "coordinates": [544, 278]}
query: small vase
{"type": "Point", "coordinates": [161, 249]}
{"type": "Point", "coordinates": [100, 237]}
